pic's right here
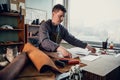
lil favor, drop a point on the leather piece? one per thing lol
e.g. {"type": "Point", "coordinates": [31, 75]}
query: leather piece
{"type": "Point", "coordinates": [39, 58]}
{"type": "Point", "coordinates": [12, 70]}
{"type": "Point", "coordinates": [70, 61]}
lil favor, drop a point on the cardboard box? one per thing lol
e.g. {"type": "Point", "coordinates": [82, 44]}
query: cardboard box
{"type": "Point", "coordinates": [15, 6]}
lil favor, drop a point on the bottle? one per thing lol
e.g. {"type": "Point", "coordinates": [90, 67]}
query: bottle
{"type": "Point", "coordinates": [111, 45]}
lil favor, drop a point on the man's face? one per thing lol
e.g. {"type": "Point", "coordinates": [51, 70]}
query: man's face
{"type": "Point", "coordinates": [57, 17]}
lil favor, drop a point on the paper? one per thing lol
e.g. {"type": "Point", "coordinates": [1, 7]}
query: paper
{"type": "Point", "coordinates": [14, 7]}
{"type": "Point", "coordinates": [117, 55]}
{"type": "Point", "coordinates": [78, 51]}
{"type": "Point", "coordinates": [90, 57]}
{"type": "Point", "coordinates": [75, 56]}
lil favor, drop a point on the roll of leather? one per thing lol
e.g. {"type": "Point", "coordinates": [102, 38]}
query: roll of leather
{"type": "Point", "coordinates": [11, 71]}
{"type": "Point", "coordinates": [70, 61]}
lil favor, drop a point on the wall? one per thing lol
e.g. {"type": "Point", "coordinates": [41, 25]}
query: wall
{"type": "Point", "coordinates": [42, 5]}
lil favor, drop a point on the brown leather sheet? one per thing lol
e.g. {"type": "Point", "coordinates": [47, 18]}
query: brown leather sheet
{"type": "Point", "coordinates": [38, 57]}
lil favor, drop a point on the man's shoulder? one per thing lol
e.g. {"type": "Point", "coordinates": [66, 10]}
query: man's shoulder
{"type": "Point", "coordinates": [46, 23]}
{"type": "Point", "coordinates": [62, 27]}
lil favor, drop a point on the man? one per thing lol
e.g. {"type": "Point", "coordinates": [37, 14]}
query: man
{"type": "Point", "coordinates": [52, 32]}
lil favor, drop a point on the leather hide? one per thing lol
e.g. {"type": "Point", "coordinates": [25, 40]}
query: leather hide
{"type": "Point", "coordinates": [39, 58]}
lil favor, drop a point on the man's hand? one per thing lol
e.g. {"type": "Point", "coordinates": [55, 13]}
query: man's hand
{"type": "Point", "coordinates": [93, 50]}
{"type": "Point", "coordinates": [64, 52]}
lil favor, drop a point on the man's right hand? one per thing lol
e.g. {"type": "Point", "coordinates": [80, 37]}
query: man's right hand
{"type": "Point", "coordinates": [64, 52]}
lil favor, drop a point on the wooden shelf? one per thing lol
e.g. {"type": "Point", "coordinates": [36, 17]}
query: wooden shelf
{"type": "Point", "coordinates": [31, 32]}
{"type": "Point", "coordinates": [12, 43]}
{"type": "Point", "coordinates": [11, 29]}
{"type": "Point", "coordinates": [15, 36]}
{"type": "Point", "coordinates": [34, 25]}
{"type": "Point", "coordinates": [10, 14]}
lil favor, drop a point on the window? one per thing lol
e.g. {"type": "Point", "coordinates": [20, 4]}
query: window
{"type": "Point", "coordinates": [58, 2]}
{"type": "Point", "coordinates": [95, 20]}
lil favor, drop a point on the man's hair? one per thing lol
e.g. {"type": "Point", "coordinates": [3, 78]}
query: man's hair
{"type": "Point", "coordinates": [58, 7]}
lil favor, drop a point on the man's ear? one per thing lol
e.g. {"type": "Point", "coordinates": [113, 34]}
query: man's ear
{"type": "Point", "coordinates": [54, 12]}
